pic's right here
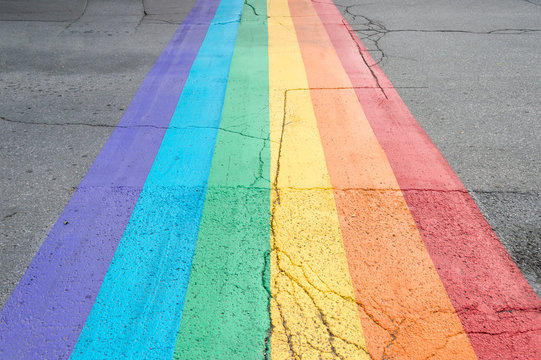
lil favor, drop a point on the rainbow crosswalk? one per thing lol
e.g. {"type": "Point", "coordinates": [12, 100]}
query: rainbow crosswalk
{"type": "Point", "coordinates": [267, 194]}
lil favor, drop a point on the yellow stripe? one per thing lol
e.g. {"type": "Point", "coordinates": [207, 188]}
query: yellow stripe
{"type": "Point", "coordinates": [312, 308]}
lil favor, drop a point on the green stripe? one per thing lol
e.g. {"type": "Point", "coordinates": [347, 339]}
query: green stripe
{"type": "Point", "coordinates": [226, 314]}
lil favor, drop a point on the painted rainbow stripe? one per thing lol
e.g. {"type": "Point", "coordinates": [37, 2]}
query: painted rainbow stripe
{"type": "Point", "coordinates": [268, 194]}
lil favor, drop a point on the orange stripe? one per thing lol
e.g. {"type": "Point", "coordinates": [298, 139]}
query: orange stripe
{"type": "Point", "coordinates": [404, 309]}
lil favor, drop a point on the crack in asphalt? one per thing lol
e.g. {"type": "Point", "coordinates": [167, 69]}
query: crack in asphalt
{"type": "Point", "coordinates": [2, 118]}
{"type": "Point", "coordinates": [492, 333]}
{"type": "Point", "coordinates": [353, 36]}
{"type": "Point", "coordinates": [382, 190]}
{"type": "Point", "coordinates": [272, 224]}
{"type": "Point", "coordinates": [135, 127]}
{"type": "Point", "coordinates": [278, 253]}
{"type": "Point", "coordinates": [165, 22]}
{"type": "Point", "coordinates": [70, 124]}
{"type": "Point", "coordinates": [393, 338]}
{"type": "Point", "coordinates": [79, 17]}
{"type": "Point", "coordinates": [261, 164]}
{"type": "Point", "coordinates": [511, 31]}
{"type": "Point", "coordinates": [510, 310]}
{"type": "Point", "coordinates": [226, 22]}
{"type": "Point", "coordinates": [145, 13]}
{"type": "Point", "coordinates": [36, 20]}
{"type": "Point", "coordinates": [346, 298]}
{"type": "Point", "coordinates": [515, 192]}
{"type": "Point", "coordinates": [499, 311]}
{"type": "Point", "coordinates": [375, 31]}
{"type": "Point", "coordinates": [288, 333]}
{"type": "Point", "coordinates": [327, 328]}
{"type": "Point", "coordinates": [276, 200]}
{"type": "Point", "coordinates": [306, 291]}
{"type": "Point", "coordinates": [251, 6]}
{"type": "Point", "coordinates": [10, 215]}
{"type": "Point", "coordinates": [222, 129]}
{"type": "Point", "coordinates": [438, 349]}
{"type": "Point", "coordinates": [265, 274]}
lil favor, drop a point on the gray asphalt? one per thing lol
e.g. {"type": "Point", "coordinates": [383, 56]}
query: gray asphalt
{"type": "Point", "coordinates": [68, 70]}
{"type": "Point", "coordinates": [468, 71]}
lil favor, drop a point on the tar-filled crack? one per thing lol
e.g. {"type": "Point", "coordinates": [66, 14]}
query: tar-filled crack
{"type": "Point", "coordinates": [374, 31]}
{"type": "Point", "coordinates": [264, 276]}
{"type": "Point", "coordinates": [80, 16]}
{"type": "Point", "coordinates": [68, 123]}
{"type": "Point", "coordinates": [514, 332]}
{"type": "Point", "coordinates": [143, 15]}
{"type": "Point", "coordinates": [435, 352]}
{"type": "Point", "coordinates": [288, 333]}
{"type": "Point", "coordinates": [10, 215]}
{"type": "Point", "coordinates": [515, 192]}
{"type": "Point", "coordinates": [227, 22]}
{"type": "Point", "coordinates": [134, 127]}
{"type": "Point", "coordinates": [393, 338]}
{"type": "Point", "coordinates": [320, 311]}
{"type": "Point", "coordinates": [354, 38]}
{"type": "Point", "coordinates": [36, 21]}
{"type": "Point", "coordinates": [514, 31]}
{"type": "Point", "coordinates": [512, 309]}
{"type": "Point", "coordinates": [261, 166]}
{"type": "Point", "coordinates": [272, 222]}
{"type": "Point", "coordinates": [251, 6]}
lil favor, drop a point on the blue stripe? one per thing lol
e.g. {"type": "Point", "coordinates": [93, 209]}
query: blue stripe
{"type": "Point", "coordinates": [138, 310]}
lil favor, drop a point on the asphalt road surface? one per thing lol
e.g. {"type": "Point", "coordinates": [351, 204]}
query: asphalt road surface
{"type": "Point", "coordinates": [69, 71]}
{"type": "Point", "coordinates": [468, 72]}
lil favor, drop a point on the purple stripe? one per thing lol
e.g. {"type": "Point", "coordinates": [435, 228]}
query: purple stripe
{"type": "Point", "coordinates": [47, 310]}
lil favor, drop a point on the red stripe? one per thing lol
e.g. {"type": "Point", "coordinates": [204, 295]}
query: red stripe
{"type": "Point", "coordinates": [496, 305]}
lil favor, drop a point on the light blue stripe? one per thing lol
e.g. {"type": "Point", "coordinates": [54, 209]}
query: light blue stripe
{"type": "Point", "coordinates": [138, 310]}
